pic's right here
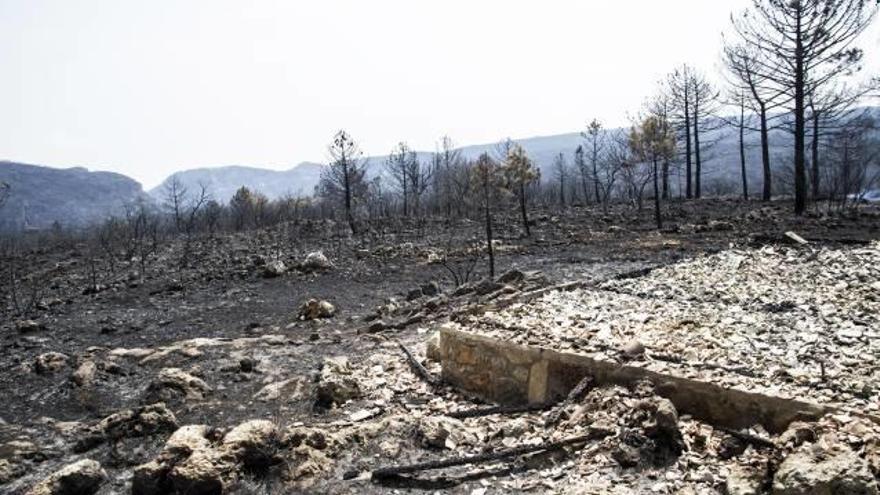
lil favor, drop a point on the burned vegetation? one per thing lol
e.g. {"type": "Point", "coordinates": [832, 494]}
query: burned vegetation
{"type": "Point", "coordinates": [632, 322]}
{"type": "Point", "coordinates": [719, 355]}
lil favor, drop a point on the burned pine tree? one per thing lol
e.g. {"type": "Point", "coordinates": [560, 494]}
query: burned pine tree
{"type": "Point", "coordinates": [420, 176]}
{"type": "Point", "coordinates": [343, 180]}
{"type": "Point", "coordinates": [830, 110]}
{"type": "Point", "coordinates": [803, 46]}
{"type": "Point", "coordinates": [560, 169]}
{"type": "Point", "coordinates": [681, 93]}
{"type": "Point", "coordinates": [653, 141]}
{"type": "Point", "coordinates": [692, 107]}
{"type": "Point", "coordinates": [595, 140]}
{"type": "Point", "coordinates": [580, 166]}
{"type": "Point", "coordinates": [487, 181]}
{"type": "Point", "coordinates": [399, 166]}
{"type": "Point", "coordinates": [744, 67]}
{"type": "Point", "coordinates": [520, 173]}
{"type": "Point", "coordinates": [448, 177]}
{"type": "Point", "coordinates": [703, 107]}
{"type": "Point", "coordinates": [660, 108]}
{"type": "Point", "coordinates": [741, 127]}
{"type": "Point", "coordinates": [853, 161]}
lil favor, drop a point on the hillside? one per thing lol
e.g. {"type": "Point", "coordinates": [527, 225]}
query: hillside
{"type": "Point", "coordinates": [720, 162]}
{"type": "Point", "coordinates": [222, 182]}
{"type": "Point", "coordinates": [40, 196]}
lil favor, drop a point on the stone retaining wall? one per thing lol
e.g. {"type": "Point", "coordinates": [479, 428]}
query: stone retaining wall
{"type": "Point", "coordinates": [514, 374]}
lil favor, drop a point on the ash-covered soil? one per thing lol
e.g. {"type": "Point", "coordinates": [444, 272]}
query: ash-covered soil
{"type": "Point", "coordinates": [797, 322]}
{"type": "Point", "coordinates": [213, 378]}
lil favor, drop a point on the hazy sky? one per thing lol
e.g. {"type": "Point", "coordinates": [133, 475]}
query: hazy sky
{"type": "Point", "coordinates": [148, 87]}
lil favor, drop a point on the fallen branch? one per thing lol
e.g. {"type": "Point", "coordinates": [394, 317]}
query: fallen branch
{"type": "Point", "coordinates": [488, 411]}
{"type": "Point", "coordinates": [390, 472]}
{"type": "Point", "coordinates": [574, 396]}
{"type": "Point", "coordinates": [417, 367]}
{"type": "Point", "coordinates": [748, 438]}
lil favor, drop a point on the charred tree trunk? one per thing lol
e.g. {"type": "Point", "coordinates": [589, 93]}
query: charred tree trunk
{"type": "Point", "coordinates": [742, 149]}
{"type": "Point", "coordinates": [765, 156]}
{"type": "Point", "coordinates": [405, 198]}
{"type": "Point", "coordinates": [815, 157]}
{"type": "Point", "coordinates": [665, 180]}
{"type": "Point", "coordinates": [489, 247]}
{"type": "Point", "coordinates": [657, 217]}
{"type": "Point", "coordinates": [800, 176]}
{"type": "Point", "coordinates": [698, 172]}
{"type": "Point", "coordinates": [687, 139]}
{"type": "Point", "coordinates": [347, 191]}
{"type": "Point", "coordinates": [523, 210]}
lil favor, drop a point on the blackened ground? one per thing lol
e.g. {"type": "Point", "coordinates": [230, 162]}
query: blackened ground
{"type": "Point", "coordinates": [222, 294]}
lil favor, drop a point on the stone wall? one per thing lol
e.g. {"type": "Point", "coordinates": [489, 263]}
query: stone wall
{"type": "Point", "coordinates": [514, 374]}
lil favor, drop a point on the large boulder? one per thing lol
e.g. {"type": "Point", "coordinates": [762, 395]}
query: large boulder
{"type": "Point", "coordinates": [442, 432]}
{"type": "Point", "coordinates": [815, 471]}
{"type": "Point", "coordinates": [316, 261]}
{"type": "Point", "coordinates": [432, 348]}
{"type": "Point", "coordinates": [195, 462]}
{"type": "Point", "coordinates": [150, 478]}
{"type": "Point", "coordinates": [744, 480]}
{"type": "Point", "coordinates": [291, 389]}
{"type": "Point", "coordinates": [29, 326]}
{"type": "Point", "coordinates": [50, 362]}
{"type": "Point", "coordinates": [274, 269]}
{"type": "Point", "coordinates": [173, 382]}
{"type": "Point", "coordinates": [314, 309]}
{"type": "Point", "coordinates": [253, 443]}
{"type": "Point", "coordinates": [664, 431]}
{"type": "Point", "coordinates": [80, 478]}
{"type": "Point", "coordinates": [129, 423]}
{"type": "Point", "coordinates": [85, 374]}
{"type": "Point", "coordinates": [204, 472]}
{"type": "Point", "coordinates": [188, 463]}
{"type": "Point", "coordinates": [188, 439]}
{"type": "Point", "coordinates": [336, 384]}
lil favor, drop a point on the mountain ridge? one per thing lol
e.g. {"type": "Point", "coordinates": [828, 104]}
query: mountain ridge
{"type": "Point", "coordinates": [40, 196]}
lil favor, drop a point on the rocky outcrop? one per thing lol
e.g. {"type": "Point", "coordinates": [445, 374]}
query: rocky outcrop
{"type": "Point", "coordinates": [813, 470]}
{"type": "Point", "coordinates": [290, 389]}
{"type": "Point", "coordinates": [172, 383]}
{"type": "Point", "coordinates": [144, 421]}
{"type": "Point", "coordinates": [193, 461]}
{"type": "Point", "coordinates": [336, 384]}
{"type": "Point", "coordinates": [80, 478]}
{"type": "Point", "coordinates": [254, 443]}
{"type": "Point", "coordinates": [315, 262]}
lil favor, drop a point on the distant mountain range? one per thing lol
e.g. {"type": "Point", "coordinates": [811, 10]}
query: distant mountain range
{"type": "Point", "coordinates": [222, 182]}
{"type": "Point", "coordinates": [40, 196]}
{"type": "Point", "coordinates": [43, 195]}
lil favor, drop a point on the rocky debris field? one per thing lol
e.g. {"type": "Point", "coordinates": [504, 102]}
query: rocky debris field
{"type": "Point", "coordinates": [265, 368]}
{"type": "Point", "coordinates": [794, 322]}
